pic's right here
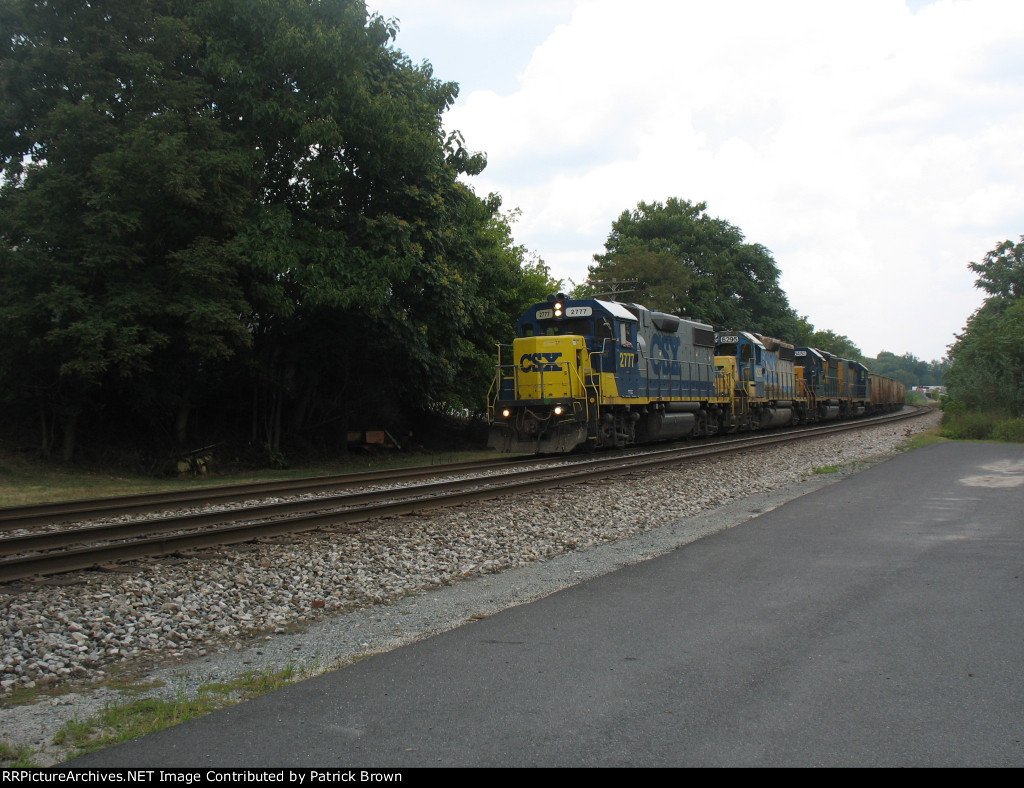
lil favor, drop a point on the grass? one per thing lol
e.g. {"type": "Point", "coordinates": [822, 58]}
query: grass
{"type": "Point", "coordinates": [123, 721]}
{"type": "Point", "coordinates": [16, 757]}
{"type": "Point", "coordinates": [923, 439]}
{"type": "Point", "coordinates": [25, 480]}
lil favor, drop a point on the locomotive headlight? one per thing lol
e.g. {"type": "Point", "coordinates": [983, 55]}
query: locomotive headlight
{"type": "Point", "coordinates": [557, 301]}
{"type": "Point", "coordinates": [558, 410]}
{"type": "Point", "coordinates": [506, 413]}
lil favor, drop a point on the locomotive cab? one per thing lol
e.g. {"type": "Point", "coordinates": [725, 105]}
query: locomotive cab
{"type": "Point", "coordinates": [742, 356]}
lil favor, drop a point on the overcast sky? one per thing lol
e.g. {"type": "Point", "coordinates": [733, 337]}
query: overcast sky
{"type": "Point", "coordinates": [874, 146]}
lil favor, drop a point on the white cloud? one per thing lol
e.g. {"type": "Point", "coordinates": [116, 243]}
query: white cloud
{"type": "Point", "coordinates": [874, 148]}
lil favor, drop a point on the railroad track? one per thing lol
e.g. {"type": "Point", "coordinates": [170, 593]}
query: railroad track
{"type": "Point", "coordinates": [27, 552]}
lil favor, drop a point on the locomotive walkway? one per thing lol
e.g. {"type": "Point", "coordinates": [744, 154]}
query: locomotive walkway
{"type": "Point", "coordinates": [873, 622]}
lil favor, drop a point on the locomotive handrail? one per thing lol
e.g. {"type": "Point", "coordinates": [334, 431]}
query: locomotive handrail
{"type": "Point", "coordinates": [496, 384]}
{"type": "Point", "coordinates": [581, 380]}
{"type": "Point", "coordinates": [726, 377]}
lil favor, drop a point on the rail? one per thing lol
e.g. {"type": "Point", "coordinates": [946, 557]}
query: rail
{"type": "Point", "coordinates": [82, 548]}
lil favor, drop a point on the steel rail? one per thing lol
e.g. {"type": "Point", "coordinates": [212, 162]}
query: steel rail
{"type": "Point", "coordinates": [16, 517]}
{"type": "Point", "coordinates": [170, 535]}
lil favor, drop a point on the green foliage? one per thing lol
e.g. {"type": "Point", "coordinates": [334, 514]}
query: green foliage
{"type": "Point", "coordinates": [1002, 273]}
{"type": "Point", "coordinates": [238, 201]}
{"type": "Point", "coordinates": [961, 423]}
{"type": "Point", "coordinates": [968, 426]}
{"type": "Point", "coordinates": [118, 208]}
{"type": "Point", "coordinates": [909, 369]}
{"type": "Point", "coordinates": [986, 370]}
{"type": "Point", "coordinates": [837, 344]}
{"type": "Point", "coordinates": [16, 757]}
{"type": "Point", "coordinates": [1010, 430]}
{"type": "Point", "coordinates": [674, 257]}
{"type": "Point", "coordinates": [685, 262]}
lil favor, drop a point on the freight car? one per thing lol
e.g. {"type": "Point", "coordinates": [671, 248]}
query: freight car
{"type": "Point", "coordinates": [588, 373]}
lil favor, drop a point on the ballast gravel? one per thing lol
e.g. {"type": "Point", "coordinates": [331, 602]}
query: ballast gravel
{"type": "Point", "coordinates": [319, 601]}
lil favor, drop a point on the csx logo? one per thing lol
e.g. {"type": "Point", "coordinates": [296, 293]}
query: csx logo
{"type": "Point", "coordinates": [664, 354]}
{"type": "Point", "coordinates": [539, 362]}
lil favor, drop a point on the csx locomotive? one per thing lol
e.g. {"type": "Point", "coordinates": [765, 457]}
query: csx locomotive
{"type": "Point", "coordinates": [587, 373]}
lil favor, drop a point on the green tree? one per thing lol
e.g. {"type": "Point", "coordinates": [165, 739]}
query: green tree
{"type": "Point", "coordinates": [837, 344]}
{"type": "Point", "coordinates": [986, 371]}
{"type": "Point", "coordinates": [688, 263]}
{"type": "Point", "coordinates": [908, 369]}
{"type": "Point", "coordinates": [120, 200]}
{"type": "Point", "coordinates": [222, 201]}
{"type": "Point", "coordinates": [1001, 273]}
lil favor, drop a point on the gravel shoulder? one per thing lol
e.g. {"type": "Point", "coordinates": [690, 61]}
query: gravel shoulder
{"type": "Point", "coordinates": [317, 603]}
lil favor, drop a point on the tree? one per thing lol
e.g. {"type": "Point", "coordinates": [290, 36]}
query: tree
{"type": "Point", "coordinates": [1001, 274]}
{"type": "Point", "coordinates": [909, 369]}
{"type": "Point", "coordinates": [837, 344]}
{"type": "Point", "coordinates": [218, 202]}
{"type": "Point", "coordinates": [121, 195]}
{"type": "Point", "coordinates": [687, 263]}
{"type": "Point", "coordinates": [986, 371]}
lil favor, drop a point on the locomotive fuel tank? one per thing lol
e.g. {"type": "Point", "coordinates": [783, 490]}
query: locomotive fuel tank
{"type": "Point", "coordinates": [666, 426]}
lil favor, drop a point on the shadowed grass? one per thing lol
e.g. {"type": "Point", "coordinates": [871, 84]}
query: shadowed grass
{"type": "Point", "coordinates": [24, 480]}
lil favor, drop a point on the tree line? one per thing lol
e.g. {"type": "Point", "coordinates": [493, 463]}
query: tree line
{"type": "Point", "coordinates": [675, 257]}
{"type": "Point", "coordinates": [986, 373]}
{"type": "Point", "coordinates": [244, 210]}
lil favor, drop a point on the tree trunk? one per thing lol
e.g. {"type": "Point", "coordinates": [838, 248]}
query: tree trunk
{"type": "Point", "coordinates": [181, 423]}
{"type": "Point", "coordinates": [46, 425]}
{"type": "Point", "coordinates": [70, 427]}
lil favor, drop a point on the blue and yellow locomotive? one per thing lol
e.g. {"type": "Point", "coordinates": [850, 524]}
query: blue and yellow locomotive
{"type": "Point", "coordinates": [590, 373]}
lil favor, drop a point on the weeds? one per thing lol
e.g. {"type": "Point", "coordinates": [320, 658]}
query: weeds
{"type": "Point", "coordinates": [958, 424]}
{"type": "Point", "coordinates": [921, 440]}
{"type": "Point", "coordinates": [121, 722]}
{"type": "Point", "coordinates": [1011, 431]}
{"type": "Point", "coordinates": [15, 757]}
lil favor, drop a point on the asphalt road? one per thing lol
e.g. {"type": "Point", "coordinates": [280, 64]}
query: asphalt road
{"type": "Point", "coordinates": [876, 622]}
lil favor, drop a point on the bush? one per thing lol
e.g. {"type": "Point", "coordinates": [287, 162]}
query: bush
{"type": "Point", "coordinates": [952, 407]}
{"type": "Point", "coordinates": [968, 426]}
{"type": "Point", "coordinates": [957, 424]}
{"type": "Point", "coordinates": [1011, 430]}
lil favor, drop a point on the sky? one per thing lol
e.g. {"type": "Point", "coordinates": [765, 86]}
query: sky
{"type": "Point", "coordinates": [875, 147]}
